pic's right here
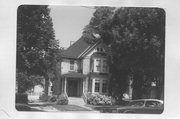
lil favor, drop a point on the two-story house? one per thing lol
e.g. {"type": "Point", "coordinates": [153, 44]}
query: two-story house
{"type": "Point", "coordinates": [83, 69]}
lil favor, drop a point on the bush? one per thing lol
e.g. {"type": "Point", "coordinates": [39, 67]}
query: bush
{"type": "Point", "coordinates": [62, 100]}
{"type": "Point", "coordinates": [44, 97]}
{"type": "Point", "coordinates": [21, 98]}
{"type": "Point", "coordinates": [53, 98]}
{"type": "Point", "coordinates": [98, 99]}
{"type": "Point", "coordinates": [22, 107]}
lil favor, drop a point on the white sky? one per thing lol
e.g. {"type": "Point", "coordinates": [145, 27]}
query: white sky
{"type": "Point", "coordinates": [69, 22]}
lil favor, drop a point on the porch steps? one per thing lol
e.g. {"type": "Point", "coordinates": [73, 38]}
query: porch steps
{"type": "Point", "coordinates": [76, 101]}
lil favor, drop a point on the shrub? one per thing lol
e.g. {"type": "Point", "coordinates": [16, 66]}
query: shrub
{"type": "Point", "coordinates": [44, 97]}
{"type": "Point", "coordinates": [22, 107]}
{"type": "Point", "coordinates": [21, 98]}
{"type": "Point", "coordinates": [53, 98]}
{"type": "Point", "coordinates": [98, 99]}
{"type": "Point", "coordinates": [62, 100]}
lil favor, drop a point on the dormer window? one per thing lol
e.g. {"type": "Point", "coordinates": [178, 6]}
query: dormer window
{"type": "Point", "coordinates": [99, 49]}
{"type": "Point", "coordinates": [102, 50]}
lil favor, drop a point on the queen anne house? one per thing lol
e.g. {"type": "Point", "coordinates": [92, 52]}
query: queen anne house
{"type": "Point", "coordinates": [83, 69]}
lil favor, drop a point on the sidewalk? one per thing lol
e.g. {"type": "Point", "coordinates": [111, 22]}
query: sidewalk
{"type": "Point", "coordinates": [76, 104]}
{"type": "Point", "coordinates": [42, 106]}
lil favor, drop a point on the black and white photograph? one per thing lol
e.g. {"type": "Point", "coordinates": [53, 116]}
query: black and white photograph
{"type": "Point", "coordinates": [90, 59]}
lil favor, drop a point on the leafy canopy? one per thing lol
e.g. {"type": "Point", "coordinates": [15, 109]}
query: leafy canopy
{"type": "Point", "coordinates": [135, 37]}
{"type": "Point", "coordinates": [37, 47]}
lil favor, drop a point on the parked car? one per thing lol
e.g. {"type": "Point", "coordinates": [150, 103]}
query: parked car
{"type": "Point", "coordinates": [148, 106]}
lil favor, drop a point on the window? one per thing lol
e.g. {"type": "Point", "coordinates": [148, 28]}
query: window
{"type": "Point", "coordinates": [52, 87]}
{"type": "Point", "coordinates": [98, 65]}
{"type": "Point", "coordinates": [104, 86]}
{"type": "Point", "coordinates": [100, 86]}
{"type": "Point", "coordinates": [97, 86]}
{"type": "Point", "coordinates": [104, 66]}
{"type": "Point", "coordinates": [99, 49]}
{"type": "Point", "coordinates": [102, 50]}
{"type": "Point", "coordinates": [71, 65]}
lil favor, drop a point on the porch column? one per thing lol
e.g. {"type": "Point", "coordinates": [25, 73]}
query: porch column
{"type": "Point", "coordinates": [86, 84]}
{"type": "Point", "coordinates": [65, 82]}
{"type": "Point", "coordinates": [93, 85]}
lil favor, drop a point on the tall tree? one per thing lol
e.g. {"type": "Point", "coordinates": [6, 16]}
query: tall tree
{"type": "Point", "coordinates": [136, 39]}
{"type": "Point", "coordinates": [36, 44]}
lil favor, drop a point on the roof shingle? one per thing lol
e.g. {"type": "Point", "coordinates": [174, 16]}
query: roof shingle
{"type": "Point", "coordinates": [76, 49]}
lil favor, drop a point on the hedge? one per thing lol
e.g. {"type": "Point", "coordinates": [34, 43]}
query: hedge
{"type": "Point", "coordinates": [21, 98]}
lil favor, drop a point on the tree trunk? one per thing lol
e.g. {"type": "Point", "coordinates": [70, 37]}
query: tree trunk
{"type": "Point", "coordinates": [46, 90]}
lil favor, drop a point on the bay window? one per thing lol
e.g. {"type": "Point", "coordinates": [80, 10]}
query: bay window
{"type": "Point", "coordinates": [104, 66]}
{"type": "Point", "coordinates": [100, 86]}
{"type": "Point", "coordinates": [104, 86]}
{"type": "Point", "coordinates": [97, 86]}
{"type": "Point", "coordinates": [98, 65]}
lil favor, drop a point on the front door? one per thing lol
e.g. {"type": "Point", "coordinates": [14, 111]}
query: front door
{"type": "Point", "coordinates": [72, 88]}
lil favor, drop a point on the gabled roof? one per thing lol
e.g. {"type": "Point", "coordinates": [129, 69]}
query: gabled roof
{"type": "Point", "coordinates": [77, 49]}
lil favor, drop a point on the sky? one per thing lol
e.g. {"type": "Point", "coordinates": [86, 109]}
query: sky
{"type": "Point", "coordinates": [69, 21]}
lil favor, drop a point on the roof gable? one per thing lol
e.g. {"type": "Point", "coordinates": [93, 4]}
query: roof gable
{"type": "Point", "coordinates": [76, 49]}
{"type": "Point", "coordinates": [91, 50]}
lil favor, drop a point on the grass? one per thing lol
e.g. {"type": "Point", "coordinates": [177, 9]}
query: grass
{"type": "Point", "coordinates": [105, 108]}
{"type": "Point", "coordinates": [70, 108]}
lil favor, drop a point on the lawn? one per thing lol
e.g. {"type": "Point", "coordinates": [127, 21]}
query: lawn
{"type": "Point", "coordinates": [105, 108]}
{"type": "Point", "coordinates": [70, 108]}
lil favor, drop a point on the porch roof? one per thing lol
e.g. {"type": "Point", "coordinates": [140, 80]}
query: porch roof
{"type": "Point", "coordinates": [102, 75]}
{"type": "Point", "coordinates": [74, 75]}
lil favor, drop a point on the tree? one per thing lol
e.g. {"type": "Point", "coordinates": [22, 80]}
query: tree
{"type": "Point", "coordinates": [36, 44]}
{"type": "Point", "coordinates": [99, 24]}
{"type": "Point", "coordinates": [136, 39]}
{"type": "Point", "coordinates": [138, 35]}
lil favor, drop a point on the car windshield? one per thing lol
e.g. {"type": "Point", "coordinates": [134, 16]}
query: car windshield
{"type": "Point", "coordinates": [136, 103]}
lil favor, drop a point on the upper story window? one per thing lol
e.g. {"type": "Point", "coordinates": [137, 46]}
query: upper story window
{"type": "Point", "coordinates": [104, 66]}
{"type": "Point", "coordinates": [100, 49]}
{"type": "Point", "coordinates": [98, 65]}
{"type": "Point", "coordinates": [72, 65]}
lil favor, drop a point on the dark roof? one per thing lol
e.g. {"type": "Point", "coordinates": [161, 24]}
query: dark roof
{"type": "Point", "coordinates": [74, 75]}
{"type": "Point", "coordinates": [76, 49]}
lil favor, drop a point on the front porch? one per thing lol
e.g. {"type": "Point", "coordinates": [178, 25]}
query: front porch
{"type": "Point", "coordinates": [73, 84]}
